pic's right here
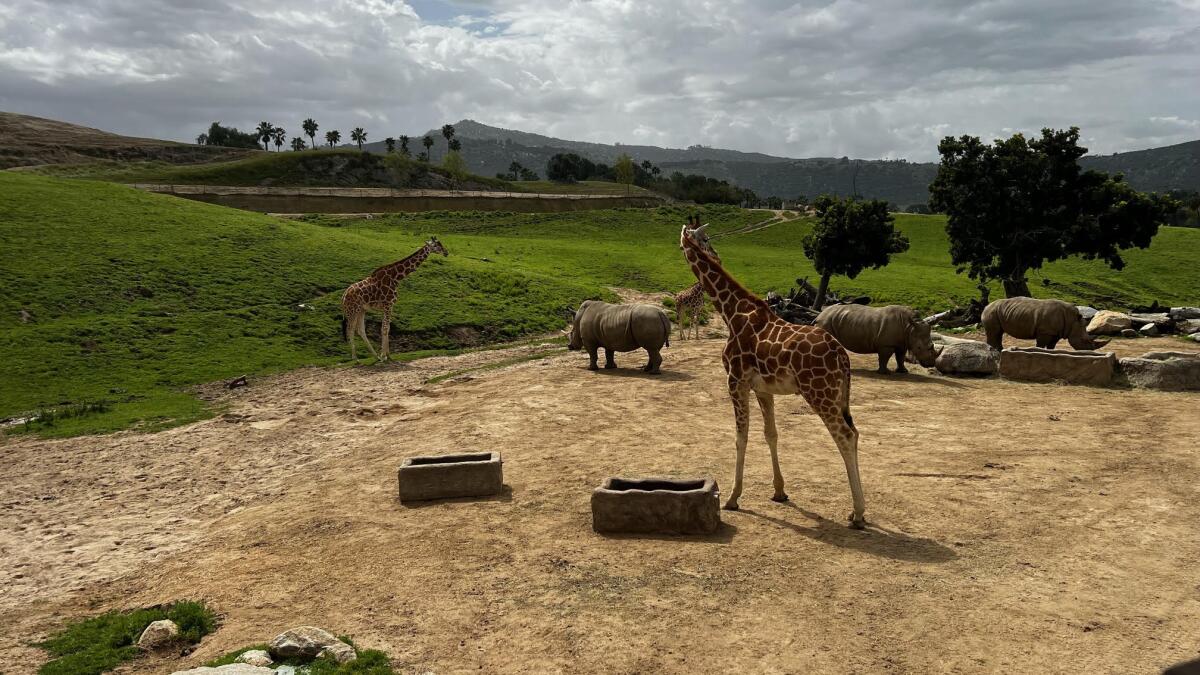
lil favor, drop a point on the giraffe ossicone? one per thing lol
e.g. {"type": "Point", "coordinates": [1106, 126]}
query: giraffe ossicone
{"type": "Point", "coordinates": [768, 356]}
{"type": "Point", "coordinates": [378, 291]}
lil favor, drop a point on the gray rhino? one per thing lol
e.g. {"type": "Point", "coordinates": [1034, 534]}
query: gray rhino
{"type": "Point", "coordinates": [619, 328]}
{"type": "Point", "coordinates": [1046, 321]}
{"type": "Point", "coordinates": [885, 331]}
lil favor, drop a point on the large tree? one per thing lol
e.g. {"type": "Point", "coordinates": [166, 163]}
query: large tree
{"type": "Point", "coordinates": [358, 136]}
{"type": "Point", "coordinates": [1017, 204]}
{"type": "Point", "coordinates": [623, 169]}
{"type": "Point", "coordinates": [850, 235]}
{"type": "Point", "coordinates": [310, 129]}
{"type": "Point", "coordinates": [298, 144]}
{"type": "Point", "coordinates": [266, 131]}
{"type": "Point", "coordinates": [333, 137]}
{"type": "Point", "coordinates": [390, 144]}
{"type": "Point", "coordinates": [448, 132]}
{"type": "Point", "coordinates": [404, 145]}
{"type": "Point", "coordinates": [428, 143]}
{"type": "Point", "coordinates": [279, 135]}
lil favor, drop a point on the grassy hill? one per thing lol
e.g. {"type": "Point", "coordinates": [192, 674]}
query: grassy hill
{"type": "Point", "coordinates": [120, 300]}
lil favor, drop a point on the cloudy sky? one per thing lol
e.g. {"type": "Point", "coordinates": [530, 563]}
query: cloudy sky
{"type": "Point", "coordinates": [864, 78]}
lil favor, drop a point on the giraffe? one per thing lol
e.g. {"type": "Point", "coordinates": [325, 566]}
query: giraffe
{"type": "Point", "coordinates": [378, 291]}
{"type": "Point", "coordinates": [768, 356]}
{"type": "Point", "coordinates": [688, 305]}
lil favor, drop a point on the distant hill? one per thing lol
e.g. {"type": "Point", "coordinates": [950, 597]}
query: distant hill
{"type": "Point", "coordinates": [489, 150]}
{"type": "Point", "coordinates": [29, 141]}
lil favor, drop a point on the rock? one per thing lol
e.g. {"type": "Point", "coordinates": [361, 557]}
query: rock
{"type": "Point", "coordinates": [1196, 337]}
{"type": "Point", "coordinates": [969, 357]}
{"type": "Point", "coordinates": [1180, 313]}
{"type": "Point", "coordinates": [1165, 371]}
{"type": "Point", "coordinates": [157, 634]}
{"type": "Point", "coordinates": [229, 669]}
{"type": "Point", "coordinates": [304, 643]}
{"type": "Point", "coordinates": [341, 652]}
{"type": "Point", "coordinates": [1149, 330]}
{"type": "Point", "coordinates": [256, 657]}
{"type": "Point", "coordinates": [1086, 312]}
{"type": "Point", "coordinates": [1108, 323]}
{"type": "Point", "coordinates": [1129, 333]}
{"type": "Point", "coordinates": [1188, 326]}
{"type": "Point", "coordinates": [1034, 364]}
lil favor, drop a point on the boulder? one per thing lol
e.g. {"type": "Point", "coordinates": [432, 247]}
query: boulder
{"type": "Point", "coordinates": [1129, 333]}
{"type": "Point", "coordinates": [1149, 330]}
{"type": "Point", "coordinates": [1034, 364]}
{"type": "Point", "coordinates": [256, 657]}
{"type": "Point", "coordinates": [158, 634]}
{"type": "Point", "coordinates": [1160, 321]}
{"type": "Point", "coordinates": [969, 357]}
{"type": "Point", "coordinates": [1180, 313]}
{"type": "Point", "coordinates": [304, 643]}
{"type": "Point", "coordinates": [229, 669]}
{"type": "Point", "coordinates": [1188, 326]}
{"type": "Point", "coordinates": [1086, 312]}
{"type": "Point", "coordinates": [1195, 337]}
{"type": "Point", "coordinates": [1165, 371]}
{"type": "Point", "coordinates": [1107, 322]}
{"type": "Point", "coordinates": [341, 652]}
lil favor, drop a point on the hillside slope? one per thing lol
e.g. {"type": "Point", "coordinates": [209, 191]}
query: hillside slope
{"type": "Point", "coordinates": [29, 141]}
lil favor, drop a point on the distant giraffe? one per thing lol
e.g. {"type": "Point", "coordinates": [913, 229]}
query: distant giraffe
{"type": "Point", "coordinates": [378, 291]}
{"type": "Point", "coordinates": [769, 356]}
{"type": "Point", "coordinates": [689, 303]}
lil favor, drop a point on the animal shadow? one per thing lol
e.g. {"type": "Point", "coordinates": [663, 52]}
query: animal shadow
{"type": "Point", "coordinates": [638, 373]}
{"type": "Point", "coordinates": [505, 495]}
{"type": "Point", "coordinates": [723, 535]}
{"type": "Point", "coordinates": [910, 377]}
{"type": "Point", "coordinates": [875, 539]}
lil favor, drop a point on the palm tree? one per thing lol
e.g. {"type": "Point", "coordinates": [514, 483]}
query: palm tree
{"type": "Point", "coordinates": [279, 136]}
{"type": "Point", "coordinates": [358, 136]}
{"type": "Point", "coordinates": [455, 145]}
{"type": "Point", "coordinates": [390, 143]}
{"type": "Point", "coordinates": [202, 139]}
{"type": "Point", "coordinates": [404, 145]}
{"type": "Point", "coordinates": [333, 137]}
{"type": "Point", "coordinates": [298, 144]}
{"type": "Point", "coordinates": [428, 143]}
{"type": "Point", "coordinates": [310, 128]}
{"type": "Point", "coordinates": [266, 132]}
{"type": "Point", "coordinates": [448, 132]}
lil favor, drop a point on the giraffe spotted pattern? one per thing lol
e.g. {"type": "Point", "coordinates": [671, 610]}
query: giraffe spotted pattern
{"type": "Point", "coordinates": [378, 291]}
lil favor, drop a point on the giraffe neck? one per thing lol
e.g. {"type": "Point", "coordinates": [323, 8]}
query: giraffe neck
{"type": "Point", "coordinates": [390, 275]}
{"type": "Point", "coordinates": [724, 290]}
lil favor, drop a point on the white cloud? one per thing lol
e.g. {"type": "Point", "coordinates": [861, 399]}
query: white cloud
{"type": "Point", "coordinates": [810, 78]}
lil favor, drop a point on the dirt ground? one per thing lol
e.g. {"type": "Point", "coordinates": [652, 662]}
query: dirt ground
{"type": "Point", "coordinates": [1014, 527]}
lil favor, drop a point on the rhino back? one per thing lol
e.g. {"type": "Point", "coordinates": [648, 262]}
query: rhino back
{"type": "Point", "coordinates": [864, 329]}
{"type": "Point", "coordinates": [1024, 318]}
{"type": "Point", "coordinates": [650, 326]}
{"type": "Point", "coordinates": [610, 326]}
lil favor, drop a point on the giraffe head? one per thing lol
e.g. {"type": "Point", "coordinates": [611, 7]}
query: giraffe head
{"type": "Point", "coordinates": [697, 234]}
{"type": "Point", "coordinates": [435, 246]}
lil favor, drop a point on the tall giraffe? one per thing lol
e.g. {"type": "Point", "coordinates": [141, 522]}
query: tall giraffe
{"type": "Point", "coordinates": [770, 356]}
{"type": "Point", "coordinates": [378, 291]}
{"type": "Point", "coordinates": [688, 305]}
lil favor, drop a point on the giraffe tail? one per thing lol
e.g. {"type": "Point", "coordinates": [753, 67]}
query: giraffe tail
{"type": "Point", "coordinates": [345, 328]}
{"type": "Point", "coordinates": [845, 398]}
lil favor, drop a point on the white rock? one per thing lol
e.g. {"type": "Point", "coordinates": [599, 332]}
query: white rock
{"type": "Point", "coordinates": [1178, 313]}
{"type": "Point", "coordinates": [1109, 323]}
{"type": "Point", "coordinates": [303, 642]}
{"type": "Point", "coordinates": [256, 657]}
{"type": "Point", "coordinates": [229, 669]}
{"type": "Point", "coordinates": [1149, 330]}
{"type": "Point", "coordinates": [1167, 371]}
{"type": "Point", "coordinates": [158, 634]}
{"type": "Point", "coordinates": [1086, 312]}
{"type": "Point", "coordinates": [341, 652]}
{"type": "Point", "coordinates": [968, 358]}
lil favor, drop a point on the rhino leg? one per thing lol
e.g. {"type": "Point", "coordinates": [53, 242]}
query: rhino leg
{"type": "Point", "coordinates": [884, 355]}
{"type": "Point", "coordinates": [609, 363]}
{"type": "Point", "coordinates": [900, 361]}
{"type": "Point", "coordinates": [592, 354]}
{"type": "Point", "coordinates": [655, 361]}
{"type": "Point", "coordinates": [1047, 341]}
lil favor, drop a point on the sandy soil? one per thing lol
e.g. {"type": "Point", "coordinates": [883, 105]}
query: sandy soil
{"type": "Point", "coordinates": [1014, 527]}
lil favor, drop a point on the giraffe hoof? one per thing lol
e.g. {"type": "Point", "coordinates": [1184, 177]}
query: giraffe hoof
{"type": "Point", "coordinates": [781, 497]}
{"type": "Point", "coordinates": [731, 506]}
{"type": "Point", "coordinates": [857, 521]}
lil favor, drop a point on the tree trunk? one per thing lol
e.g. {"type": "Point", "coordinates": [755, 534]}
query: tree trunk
{"type": "Point", "coordinates": [822, 290]}
{"type": "Point", "coordinates": [1016, 287]}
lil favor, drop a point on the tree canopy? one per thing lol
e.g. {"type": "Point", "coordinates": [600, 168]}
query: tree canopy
{"type": "Point", "coordinates": [623, 170]}
{"type": "Point", "coordinates": [850, 235]}
{"type": "Point", "coordinates": [1017, 204]}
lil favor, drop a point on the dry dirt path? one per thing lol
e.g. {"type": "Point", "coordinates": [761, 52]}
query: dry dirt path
{"type": "Point", "coordinates": [1015, 527]}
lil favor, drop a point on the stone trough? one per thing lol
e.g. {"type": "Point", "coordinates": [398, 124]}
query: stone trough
{"type": "Point", "coordinates": [1034, 364]}
{"type": "Point", "coordinates": [656, 505]}
{"type": "Point", "coordinates": [445, 476]}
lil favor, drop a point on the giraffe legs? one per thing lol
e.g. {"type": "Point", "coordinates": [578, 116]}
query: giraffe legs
{"type": "Point", "coordinates": [362, 332]}
{"type": "Point", "coordinates": [384, 332]}
{"type": "Point", "coordinates": [696, 323]}
{"type": "Point", "coordinates": [846, 437]}
{"type": "Point", "coordinates": [766, 403]}
{"type": "Point", "coordinates": [740, 394]}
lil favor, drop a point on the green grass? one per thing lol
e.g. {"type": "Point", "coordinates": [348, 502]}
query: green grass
{"type": "Point", "coordinates": [585, 187]}
{"type": "Point", "coordinates": [132, 298]}
{"type": "Point", "coordinates": [369, 662]}
{"type": "Point", "coordinates": [101, 643]}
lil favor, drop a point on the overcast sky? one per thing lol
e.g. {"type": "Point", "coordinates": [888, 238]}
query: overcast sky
{"type": "Point", "coordinates": [869, 78]}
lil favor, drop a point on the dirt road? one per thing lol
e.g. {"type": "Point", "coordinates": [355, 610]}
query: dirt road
{"type": "Point", "coordinates": [1014, 527]}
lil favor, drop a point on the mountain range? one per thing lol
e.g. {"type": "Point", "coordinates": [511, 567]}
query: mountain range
{"type": "Point", "coordinates": [489, 150]}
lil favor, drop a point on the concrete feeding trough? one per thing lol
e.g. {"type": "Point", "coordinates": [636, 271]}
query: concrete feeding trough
{"type": "Point", "coordinates": [656, 505]}
{"type": "Point", "coordinates": [1034, 364]}
{"type": "Point", "coordinates": [444, 476]}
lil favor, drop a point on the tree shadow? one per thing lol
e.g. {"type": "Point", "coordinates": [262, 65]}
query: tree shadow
{"type": "Point", "coordinates": [875, 539]}
{"type": "Point", "coordinates": [638, 373]}
{"type": "Point", "coordinates": [723, 535]}
{"type": "Point", "coordinates": [910, 377]}
{"type": "Point", "coordinates": [505, 495]}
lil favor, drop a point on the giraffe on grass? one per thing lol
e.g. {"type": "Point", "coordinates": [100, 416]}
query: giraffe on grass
{"type": "Point", "coordinates": [378, 291]}
{"type": "Point", "coordinates": [689, 303]}
{"type": "Point", "coordinates": [768, 356]}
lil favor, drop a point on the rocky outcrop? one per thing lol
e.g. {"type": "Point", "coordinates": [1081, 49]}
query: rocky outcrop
{"type": "Point", "coordinates": [256, 657]}
{"type": "Point", "coordinates": [1034, 364]}
{"type": "Point", "coordinates": [1107, 322]}
{"type": "Point", "coordinates": [306, 643]}
{"type": "Point", "coordinates": [1181, 313]}
{"type": "Point", "coordinates": [1188, 326]}
{"type": "Point", "coordinates": [1165, 371]}
{"type": "Point", "coordinates": [158, 634]}
{"type": "Point", "coordinates": [968, 357]}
